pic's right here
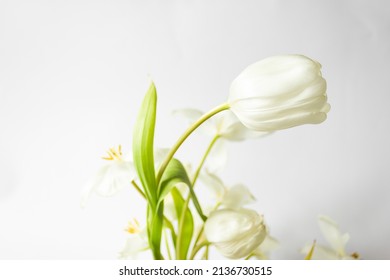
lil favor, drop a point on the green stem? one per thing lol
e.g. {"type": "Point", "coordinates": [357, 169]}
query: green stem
{"type": "Point", "coordinates": [197, 248]}
{"type": "Point", "coordinates": [206, 253]}
{"type": "Point", "coordinates": [135, 185]}
{"type": "Point", "coordinates": [201, 232]}
{"type": "Point", "coordinates": [216, 137]}
{"type": "Point", "coordinates": [184, 136]}
{"type": "Point", "coordinates": [167, 245]}
{"type": "Point", "coordinates": [167, 222]}
{"type": "Point", "coordinates": [187, 201]}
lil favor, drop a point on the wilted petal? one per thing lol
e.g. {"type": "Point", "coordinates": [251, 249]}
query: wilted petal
{"type": "Point", "coordinates": [331, 232]}
{"type": "Point", "coordinates": [135, 244]}
{"type": "Point", "coordinates": [218, 157]}
{"type": "Point", "coordinates": [237, 196]}
{"type": "Point", "coordinates": [321, 252]}
{"type": "Point", "coordinates": [109, 180]}
{"type": "Point", "coordinates": [118, 176]}
{"type": "Point", "coordinates": [213, 183]}
{"type": "Point", "coordinates": [192, 115]}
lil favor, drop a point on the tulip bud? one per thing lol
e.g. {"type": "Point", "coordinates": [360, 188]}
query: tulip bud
{"type": "Point", "coordinates": [235, 233]}
{"type": "Point", "coordinates": [280, 92]}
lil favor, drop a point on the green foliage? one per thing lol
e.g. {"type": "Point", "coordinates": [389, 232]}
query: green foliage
{"type": "Point", "coordinates": [143, 137]}
{"type": "Point", "coordinates": [174, 174]}
{"type": "Point", "coordinates": [186, 225]}
{"type": "Point", "coordinates": [143, 156]}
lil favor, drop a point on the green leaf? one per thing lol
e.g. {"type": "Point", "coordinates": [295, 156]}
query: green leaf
{"type": "Point", "coordinates": [186, 226]}
{"type": "Point", "coordinates": [155, 225]}
{"type": "Point", "coordinates": [143, 137]}
{"type": "Point", "coordinates": [174, 174]}
{"type": "Point", "coordinates": [168, 224]}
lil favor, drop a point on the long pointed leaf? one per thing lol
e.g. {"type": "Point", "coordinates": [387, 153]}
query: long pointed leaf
{"type": "Point", "coordinates": [143, 137]}
{"type": "Point", "coordinates": [174, 174]}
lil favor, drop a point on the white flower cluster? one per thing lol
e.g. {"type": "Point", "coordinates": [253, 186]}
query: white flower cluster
{"type": "Point", "coordinates": [273, 94]}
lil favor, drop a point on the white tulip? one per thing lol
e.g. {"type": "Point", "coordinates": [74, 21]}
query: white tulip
{"type": "Point", "coordinates": [117, 173]}
{"type": "Point", "coordinates": [280, 92]}
{"type": "Point", "coordinates": [234, 197]}
{"type": "Point", "coordinates": [235, 233]}
{"type": "Point", "coordinates": [136, 243]}
{"type": "Point", "coordinates": [337, 241]}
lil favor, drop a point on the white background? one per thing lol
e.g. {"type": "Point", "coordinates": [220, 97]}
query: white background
{"type": "Point", "coordinates": [73, 75]}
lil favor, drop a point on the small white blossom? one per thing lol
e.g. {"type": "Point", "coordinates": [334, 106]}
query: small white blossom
{"type": "Point", "coordinates": [136, 243]}
{"type": "Point", "coordinates": [117, 173]}
{"type": "Point", "coordinates": [337, 242]}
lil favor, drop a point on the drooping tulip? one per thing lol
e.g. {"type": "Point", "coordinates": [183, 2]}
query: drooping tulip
{"type": "Point", "coordinates": [280, 92]}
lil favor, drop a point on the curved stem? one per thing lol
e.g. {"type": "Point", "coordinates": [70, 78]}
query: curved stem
{"type": "Point", "coordinates": [201, 232]}
{"type": "Point", "coordinates": [135, 185]}
{"type": "Point", "coordinates": [167, 246]}
{"type": "Point", "coordinates": [187, 201]}
{"type": "Point", "coordinates": [206, 252]}
{"type": "Point", "coordinates": [197, 248]}
{"type": "Point", "coordinates": [211, 145]}
{"type": "Point", "coordinates": [184, 136]}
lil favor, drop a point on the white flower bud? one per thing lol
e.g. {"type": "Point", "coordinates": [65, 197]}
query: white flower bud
{"type": "Point", "coordinates": [235, 233]}
{"type": "Point", "coordinates": [280, 92]}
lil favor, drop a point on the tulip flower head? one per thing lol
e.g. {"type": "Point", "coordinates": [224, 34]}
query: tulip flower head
{"type": "Point", "coordinates": [235, 233]}
{"type": "Point", "coordinates": [280, 92]}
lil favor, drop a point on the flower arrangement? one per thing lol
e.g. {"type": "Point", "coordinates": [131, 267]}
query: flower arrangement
{"type": "Point", "coordinates": [276, 93]}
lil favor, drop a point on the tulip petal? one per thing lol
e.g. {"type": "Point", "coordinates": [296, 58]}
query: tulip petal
{"type": "Point", "coordinates": [109, 180]}
{"type": "Point", "coordinates": [237, 196]}
{"type": "Point", "coordinates": [280, 92]}
{"type": "Point", "coordinates": [331, 232]}
{"type": "Point", "coordinates": [275, 76]}
{"type": "Point", "coordinates": [213, 183]}
{"type": "Point", "coordinates": [192, 115]}
{"type": "Point", "coordinates": [218, 157]}
{"type": "Point", "coordinates": [235, 233]}
{"type": "Point", "coordinates": [320, 252]}
{"type": "Point", "coordinates": [134, 245]}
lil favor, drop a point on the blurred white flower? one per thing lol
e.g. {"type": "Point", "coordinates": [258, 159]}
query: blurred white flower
{"type": "Point", "coordinates": [235, 233]}
{"type": "Point", "coordinates": [117, 173]}
{"type": "Point", "coordinates": [136, 243]}
{"type": "Point", "coordinates": [337, 242]}
{"type": "Point", "coordinates": [280, 92]}
{"type": "Point", "coordinates": [234, 197]}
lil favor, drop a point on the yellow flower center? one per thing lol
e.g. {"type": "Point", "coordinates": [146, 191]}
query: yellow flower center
{"type": "Point", "coordinates": [114, 154]}
{"type": "Point", "coordinates": [133, 227]}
